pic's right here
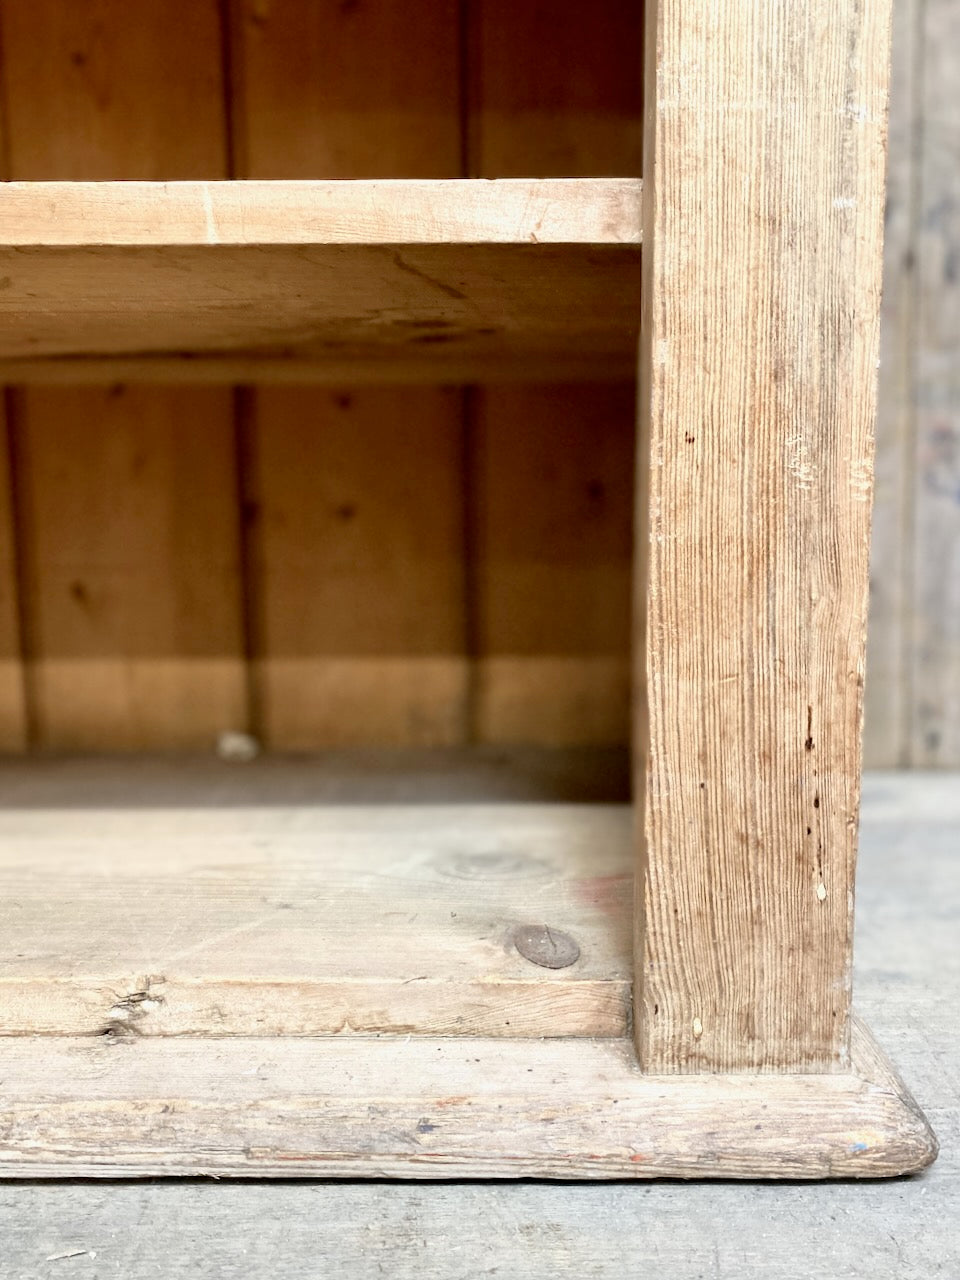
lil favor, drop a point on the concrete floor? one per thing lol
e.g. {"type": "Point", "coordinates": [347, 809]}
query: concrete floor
{"type": "Point", "coordinates": [908, 984]}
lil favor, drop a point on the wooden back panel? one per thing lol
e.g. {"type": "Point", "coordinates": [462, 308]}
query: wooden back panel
{"type": "Point", "coordinates": [415, 566]}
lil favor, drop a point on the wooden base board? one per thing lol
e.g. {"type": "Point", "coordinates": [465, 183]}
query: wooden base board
{"type": "Point", "coordinates": [251, 918]}
{"type": "Point", "coordinates": [426, 1107]}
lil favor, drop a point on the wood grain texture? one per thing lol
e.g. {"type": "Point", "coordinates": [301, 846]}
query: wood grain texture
{"type": "Point", "coordinates": [302, 919]}
{"type": "Point", "coordinates": [552, 501]}
{"type": "Point", "coordinates": [163, 275]}
{"type": "Point", "coordinates": [359, 577]}
{"type": "Point", "coordinates": [355, 529]}
{"type": "Point", "coordinates": [316, 213]}
{"type": "Point", "coordinates": [426, 1108]}
{"type": "Point", "coordinates": [766, 126]}
{"type": "Point", "coordinates": [907, 973]}
{"type": "Point", "coordinates": [934, 665]}
{"type": "Point", "coordinates": [128, 525]}
{"type": "Point", "coordinates": [133, 595]}
{"type": "Point", "coordinates": [553, 495]}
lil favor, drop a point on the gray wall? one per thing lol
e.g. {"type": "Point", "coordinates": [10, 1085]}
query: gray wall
{"type": "Point", "coordinates": [913, 657]}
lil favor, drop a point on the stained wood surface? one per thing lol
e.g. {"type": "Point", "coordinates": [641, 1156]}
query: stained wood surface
{"type": "Point", "coordinates": [304, 919]}
{"type": "Point", "coordinates": [753, 526]}
{"type": "Point", "coordinates": [438, 1108]}
{"type": "Point", "coordinates": [551, 468]}
{"type": "Point", "coordinates": [127, 519]}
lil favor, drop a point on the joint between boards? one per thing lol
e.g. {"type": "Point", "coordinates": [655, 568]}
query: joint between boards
{"type": "Point", "coordinates": [20, 552]}
{"type": "Point", "coordinates": [248, 524]}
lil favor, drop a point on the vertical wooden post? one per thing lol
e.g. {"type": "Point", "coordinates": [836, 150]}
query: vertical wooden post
{"type": "Point", "coordinates": [764, 168]}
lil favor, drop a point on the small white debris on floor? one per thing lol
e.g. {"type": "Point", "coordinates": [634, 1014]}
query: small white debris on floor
{"type": "Point", "coordinates": [237, 748]}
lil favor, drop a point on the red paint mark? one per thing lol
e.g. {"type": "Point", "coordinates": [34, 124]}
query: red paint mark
{"type": "Point", "coordinates": [452, 1102]}
{"type": "Point", "coordinates": [639, 1158]}
{"type": "Point", "coordinates": [613, 895]}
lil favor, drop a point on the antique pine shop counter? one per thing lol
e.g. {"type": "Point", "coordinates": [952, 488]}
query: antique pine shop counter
{"type": "Point", "coordinates": [324, 442]}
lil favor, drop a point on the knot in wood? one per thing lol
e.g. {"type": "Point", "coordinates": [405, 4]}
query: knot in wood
{"type": "Point", "coordinates": [549, 948]}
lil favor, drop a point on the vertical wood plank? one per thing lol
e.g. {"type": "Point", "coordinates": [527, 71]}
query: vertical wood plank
{"type": "Point", "coordinates": [133, 601]}
{"type": "Point", "coordinates": [553, 548]}
{"type": "Point", "coordinates": [553, 92]}
{"type": "Point", "coordinates": [758, 373]}
{"type": "Point", "coordinates": [357, 540]}
{"type": "Point", "coordinates": [935, 648]}
{"type": "Point", "coordinates": [125, 565]}
{"type": "Point", "coordinates": [357, 567]}
{"type": "Point", "coordinates": [886, 715]}
{"type": "Point", "coordinates": [13, 728]}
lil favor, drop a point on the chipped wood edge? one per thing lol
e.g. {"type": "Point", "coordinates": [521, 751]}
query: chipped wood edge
{"type": "Point", "coordinates": [426, 1108]}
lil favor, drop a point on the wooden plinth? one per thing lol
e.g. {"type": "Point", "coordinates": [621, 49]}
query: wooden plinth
{"type": "Point", "coordinates": [427, 1107]}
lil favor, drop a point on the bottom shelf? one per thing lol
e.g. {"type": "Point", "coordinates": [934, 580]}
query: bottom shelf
{"type": "Point", "coordinates": [426, 1107]}
{"type": "Point", "coordinates": [263, 971]}
{"type": "Point", "coordinates": [285, 898]}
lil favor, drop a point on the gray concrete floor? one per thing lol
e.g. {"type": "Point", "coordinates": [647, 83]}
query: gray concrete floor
{"type": "Point", "coordinates": [908, 988]}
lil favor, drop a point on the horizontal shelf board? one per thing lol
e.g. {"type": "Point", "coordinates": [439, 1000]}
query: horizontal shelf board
{"type": "Point", "coordinates": [466, 211]}
{"type": "Point", "coordinates": [320, 281]}
{"type": "Point", "coordinates": [422, 1107]}
{"type": "Point", "coordinates": [215, 918]}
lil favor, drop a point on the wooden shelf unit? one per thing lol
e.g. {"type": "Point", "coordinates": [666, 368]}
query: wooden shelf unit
{"type": "Point", "coordinates": [255, 969]}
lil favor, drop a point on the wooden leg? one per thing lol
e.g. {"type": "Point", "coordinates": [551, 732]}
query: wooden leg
{"type": "Point", "coordinates": [763, 195]}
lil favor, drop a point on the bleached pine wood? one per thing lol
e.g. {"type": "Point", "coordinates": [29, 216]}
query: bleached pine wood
{"type": "Point", "coordinates": [419, 1107]}
{"type": "Point", "coordinates": [127, 517]}
{"type": "Point", "coordinates": [311, 213]}
{"type": "Point", "coordinates": [306, 919]}
{"type": "Point", "coordinates": [765, 126]}
{"type": "Point", "coordinates": [361, 288]}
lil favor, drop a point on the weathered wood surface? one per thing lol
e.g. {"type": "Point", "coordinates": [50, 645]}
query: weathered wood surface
{"type": "Point", "coordinates": [437, 1108]}
{"type": "Point", "coordinates": [313, 213]}
{"type": "Point", "coordinates": [306, 920]}
{"type": "Point", "coordinates": [907, 974]}
{"type": "Point", "coordinates": [767, 128]}
{"type": "Point", "coordinates": [323, 272]}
